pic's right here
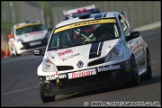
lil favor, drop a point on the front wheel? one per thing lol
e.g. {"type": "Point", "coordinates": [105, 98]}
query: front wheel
{"type": "Point", "coordinates": [46, 98]}
{"type": "Point", "coordinates": [148, 75]}
{"type": "Point", "coordinates": [134, 73]}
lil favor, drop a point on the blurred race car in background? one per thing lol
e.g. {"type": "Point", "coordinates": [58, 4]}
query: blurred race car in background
{"type": "Point", "coordinates": [72, 13]}
{"type": "Point", "coordinates": [27, 36]}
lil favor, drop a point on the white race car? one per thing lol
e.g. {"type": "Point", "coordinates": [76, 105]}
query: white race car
{"type": "Point", "coordinates": [27, 36]}
{"type": "Point", "coordinates": [90, 52]}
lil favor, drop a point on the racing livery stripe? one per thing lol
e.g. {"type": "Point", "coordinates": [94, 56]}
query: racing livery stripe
{"type": "Point", "coordinates": [95, 50]}
{"type": "Point", "coordinates": [84, 24]}
{"type": "Point", "coordinates": [21, 26]}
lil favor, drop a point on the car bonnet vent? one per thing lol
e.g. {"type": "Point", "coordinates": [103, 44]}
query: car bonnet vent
{"type": "Point", "coordinates": [84, 15]}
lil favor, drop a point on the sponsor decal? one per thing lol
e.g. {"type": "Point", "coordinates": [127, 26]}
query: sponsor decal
{"type": "Point", "coordinates": [65, 52]}
{"type": "Point", "coordinates": [140, 43]}
{"type": "Point", "coordinates": [53, 77]}
{"type": "Point", "coordinates": [21, 26]}
{"type": "Point", "coordinates": [84, 24]}
{"type": "Point", "coordinates": [69, 57]}
{"type": "Point", "coordinates": [84, 73]}
{"type": "Point", "coordinates": [107, 68]}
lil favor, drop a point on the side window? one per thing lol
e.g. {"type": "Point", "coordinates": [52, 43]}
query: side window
{"type": "Point", "coordinates": [127, 23]}
{"type": "Point", "coordinates": [125, 27]}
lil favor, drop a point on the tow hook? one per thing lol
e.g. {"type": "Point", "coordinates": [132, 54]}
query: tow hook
{"type": "Point", "coordinates": [59, 84]}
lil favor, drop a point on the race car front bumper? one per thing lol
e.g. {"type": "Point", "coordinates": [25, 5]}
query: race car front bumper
{"type": "Point", "coordinates": [105, 76]}
{"type": "Point", "coordinates": [32, 45]}
{"type": "Point", "coordinates": [28, 45]}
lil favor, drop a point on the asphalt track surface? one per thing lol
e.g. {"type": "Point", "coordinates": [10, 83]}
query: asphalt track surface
{"type": "Point", "coordinates": [19, 83]}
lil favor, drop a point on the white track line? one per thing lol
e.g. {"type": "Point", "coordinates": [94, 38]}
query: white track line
{"type": "Point", "coordinates": [155, 61]}
{"type": "Point", "coordinates": [37, 86]}
{"type": "Point", "coordinates": [19, 90]}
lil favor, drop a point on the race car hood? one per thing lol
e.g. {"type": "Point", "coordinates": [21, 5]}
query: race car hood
{"type": "Point", "coordinates": [85, 53]}
{"type": "Point", "coordinates": [32, 36]}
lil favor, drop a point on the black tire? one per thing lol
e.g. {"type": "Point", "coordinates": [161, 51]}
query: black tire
{"type": "Point", "coordinates": [46, 98]}
{"type": "Point", "coordinates": [148, 75]}
{"type": "Point", "coordinates": [134, 73]}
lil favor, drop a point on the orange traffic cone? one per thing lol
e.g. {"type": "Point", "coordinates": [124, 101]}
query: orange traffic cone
{"type": "Point", "coordinates": [7, 52]}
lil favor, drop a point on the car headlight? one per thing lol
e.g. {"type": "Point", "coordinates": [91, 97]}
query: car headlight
{"type": "Point", "coordinates": [115, 53]}
{"type": "Point", "coordinates": [19, 40]}
{"type": "Point", "coordinates": [48, 66]}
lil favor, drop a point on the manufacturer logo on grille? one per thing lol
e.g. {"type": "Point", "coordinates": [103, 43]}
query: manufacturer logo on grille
{"type": "Point", "coordinates": [80, 64]}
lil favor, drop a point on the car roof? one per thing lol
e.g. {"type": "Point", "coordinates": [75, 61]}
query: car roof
{"type": "Point", "coordinates": [92, 16]}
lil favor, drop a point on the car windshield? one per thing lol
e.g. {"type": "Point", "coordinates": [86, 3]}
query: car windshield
{"type": "Point", "coordinates": [84, 33]}
{"type": "Point", "coordinates": [28, 29]}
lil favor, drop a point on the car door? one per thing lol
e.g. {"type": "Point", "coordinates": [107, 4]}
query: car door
{"type": "Point", "coordinates": [133, 44]}
{"type": "Point", "coordinates": [141, 47]}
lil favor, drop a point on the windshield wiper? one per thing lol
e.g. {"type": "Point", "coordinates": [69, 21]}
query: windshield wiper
{"type": "Point", "coordinates": [87, 42]}
{"type": "Point", "coordinates": [74, 44]}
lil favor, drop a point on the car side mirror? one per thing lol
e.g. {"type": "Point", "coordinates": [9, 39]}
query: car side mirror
{"type": "Point", "coordinates": [39, 52]}
{"type": "Point", "coordinates": [50, 29]}
{"type": "Point", "coordinates": [133, 35]}
{"type": "Point", "coordinates": [10, 36]}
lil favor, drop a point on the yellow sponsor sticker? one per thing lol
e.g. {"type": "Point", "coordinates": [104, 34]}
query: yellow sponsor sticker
{"type": "Point", "coordinates": [21, 26]}
{"type": "Point", "coordinates": [84, 24]}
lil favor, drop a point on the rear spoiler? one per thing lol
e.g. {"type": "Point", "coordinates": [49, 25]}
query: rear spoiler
{"type": "Point", "coordinates": [66, 12]}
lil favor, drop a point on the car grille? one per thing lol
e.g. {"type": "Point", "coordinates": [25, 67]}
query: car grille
{"type": "Point", "coordinates": [63, 68]}
{"type": "Point", "coordinates": [96, 62]}
{"type": "Point", "coordinates": [26, 45]}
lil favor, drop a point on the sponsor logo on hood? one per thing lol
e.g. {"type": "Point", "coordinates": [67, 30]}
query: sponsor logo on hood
{"type": "Point", "coordinates": [70, 57]}
{"type": "Point", "coordinates": [65, 52]}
